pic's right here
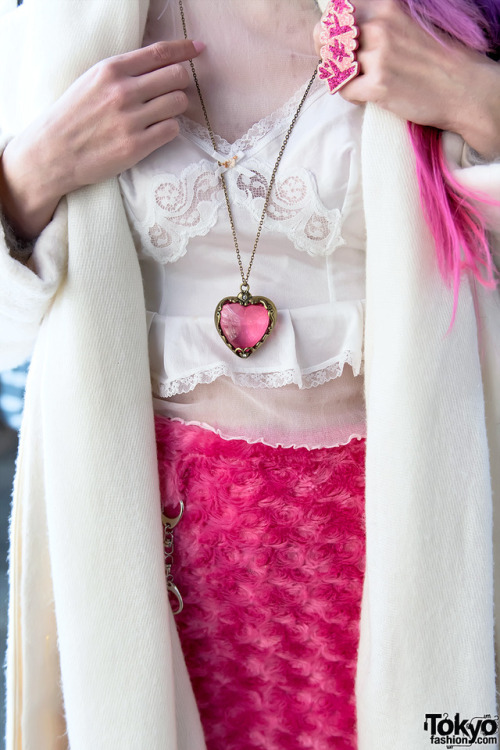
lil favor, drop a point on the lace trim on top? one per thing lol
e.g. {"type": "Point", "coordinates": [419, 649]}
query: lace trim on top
{"type": "Point", "coordinates": [259, 380]}
{"type": "Point", "coordinates": [257, 131]}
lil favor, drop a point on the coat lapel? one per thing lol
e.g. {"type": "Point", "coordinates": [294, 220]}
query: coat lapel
{"type": "Point", "coordinates": [427, 614]}
{"type": "Point", "coordinates": [92, 421]}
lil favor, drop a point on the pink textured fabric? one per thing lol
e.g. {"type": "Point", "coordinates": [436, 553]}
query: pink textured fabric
{"type": "Point", "coordinates": [269, 558]}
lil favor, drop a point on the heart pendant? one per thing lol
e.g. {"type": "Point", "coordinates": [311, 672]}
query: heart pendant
{"type": "Point", "coordinates": [244, 322]}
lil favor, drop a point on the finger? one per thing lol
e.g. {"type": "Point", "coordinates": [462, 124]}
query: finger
{"type": "Point", "coordinates": [159, 82]}
{"type": "Point", "coordinates": [360, 90]}
{"type": "Point", "coordinates": [156, 56]}
{"type": "Point", "coordinates": [162, 108]}
{"type": "Point", "coordinates": [366, 10]}
{"type": "Point", "coordinates": [374, 34]}
{"type": "Point", "coordinates": [157, 135]}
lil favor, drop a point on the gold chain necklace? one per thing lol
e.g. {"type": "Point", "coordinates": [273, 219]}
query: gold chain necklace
{"type": "Point", "coordinates": [244, 322]}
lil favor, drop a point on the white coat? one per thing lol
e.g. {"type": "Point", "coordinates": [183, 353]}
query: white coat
{"type": "Point", "coordinates": [93, 660]}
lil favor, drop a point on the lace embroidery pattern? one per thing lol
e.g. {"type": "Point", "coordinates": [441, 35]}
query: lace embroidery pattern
{"type": "Point", "coordinates": [257, 380]}
{"type": "Point", "coordinates": [187, 206]}
{"type": "Point", "coordinates": [184, 208]}
{"type": "Point", "coordinates": [294, 208]}
{"type": "Point", "coordinates": [275, 121]}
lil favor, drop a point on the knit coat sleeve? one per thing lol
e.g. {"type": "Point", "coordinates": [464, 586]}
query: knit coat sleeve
{"type": "Point", "coordinates": [28, 288]}
{"type": "Point", "coordinates": [481, 177]}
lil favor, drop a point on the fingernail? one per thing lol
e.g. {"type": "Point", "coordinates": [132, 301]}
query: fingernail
{"type": "Point", "coordinates": [199, 46]}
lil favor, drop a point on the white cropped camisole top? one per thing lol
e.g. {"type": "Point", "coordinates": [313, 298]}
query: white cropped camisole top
{"type": "Point", "coordinates": [304, 386]}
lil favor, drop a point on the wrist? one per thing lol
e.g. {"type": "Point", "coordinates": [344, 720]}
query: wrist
{"type": "Point", "coordinates": [29, 188]}
{"type": "Point", "coordinates": [478, 122]}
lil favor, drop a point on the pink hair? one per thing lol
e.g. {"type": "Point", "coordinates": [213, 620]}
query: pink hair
{"type": "Point", "coordinates": [453, 216]}
{"type": "Point", "coordinates": [452, 212]}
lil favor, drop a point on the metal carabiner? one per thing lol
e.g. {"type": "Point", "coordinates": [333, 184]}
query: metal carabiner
{"type": "Point", "coordinates": [168, 542]}
{"type": "Point", "coordinates": [171, 523]}
{"type": "Point", "coordinates": [173, 588]}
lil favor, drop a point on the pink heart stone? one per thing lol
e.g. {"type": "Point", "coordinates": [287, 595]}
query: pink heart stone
{"type": "Point", "coordinates": [243, 326]}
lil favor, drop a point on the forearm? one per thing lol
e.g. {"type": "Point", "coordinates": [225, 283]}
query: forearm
{"type": "Point", "coordinates": [29, 192]}
{"type": "Point", "coordinates": [28, 287]}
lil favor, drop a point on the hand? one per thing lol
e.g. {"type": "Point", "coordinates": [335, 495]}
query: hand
{"type": "Point", "coordinates": [110, 118]}
{"type": "Point", "coordinates": [406, 70]}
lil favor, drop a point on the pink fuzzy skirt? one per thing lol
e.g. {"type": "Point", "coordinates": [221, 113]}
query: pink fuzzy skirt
{"type": "Point", "coordinates": [269, 558]}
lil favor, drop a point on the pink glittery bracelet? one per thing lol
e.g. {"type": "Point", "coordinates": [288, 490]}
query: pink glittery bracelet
{"type": "Point", "coordinates": [339, 37]}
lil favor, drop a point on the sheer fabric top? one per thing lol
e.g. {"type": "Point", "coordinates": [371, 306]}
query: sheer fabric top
{"type": "Point", "coordinates": [304, 386]}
